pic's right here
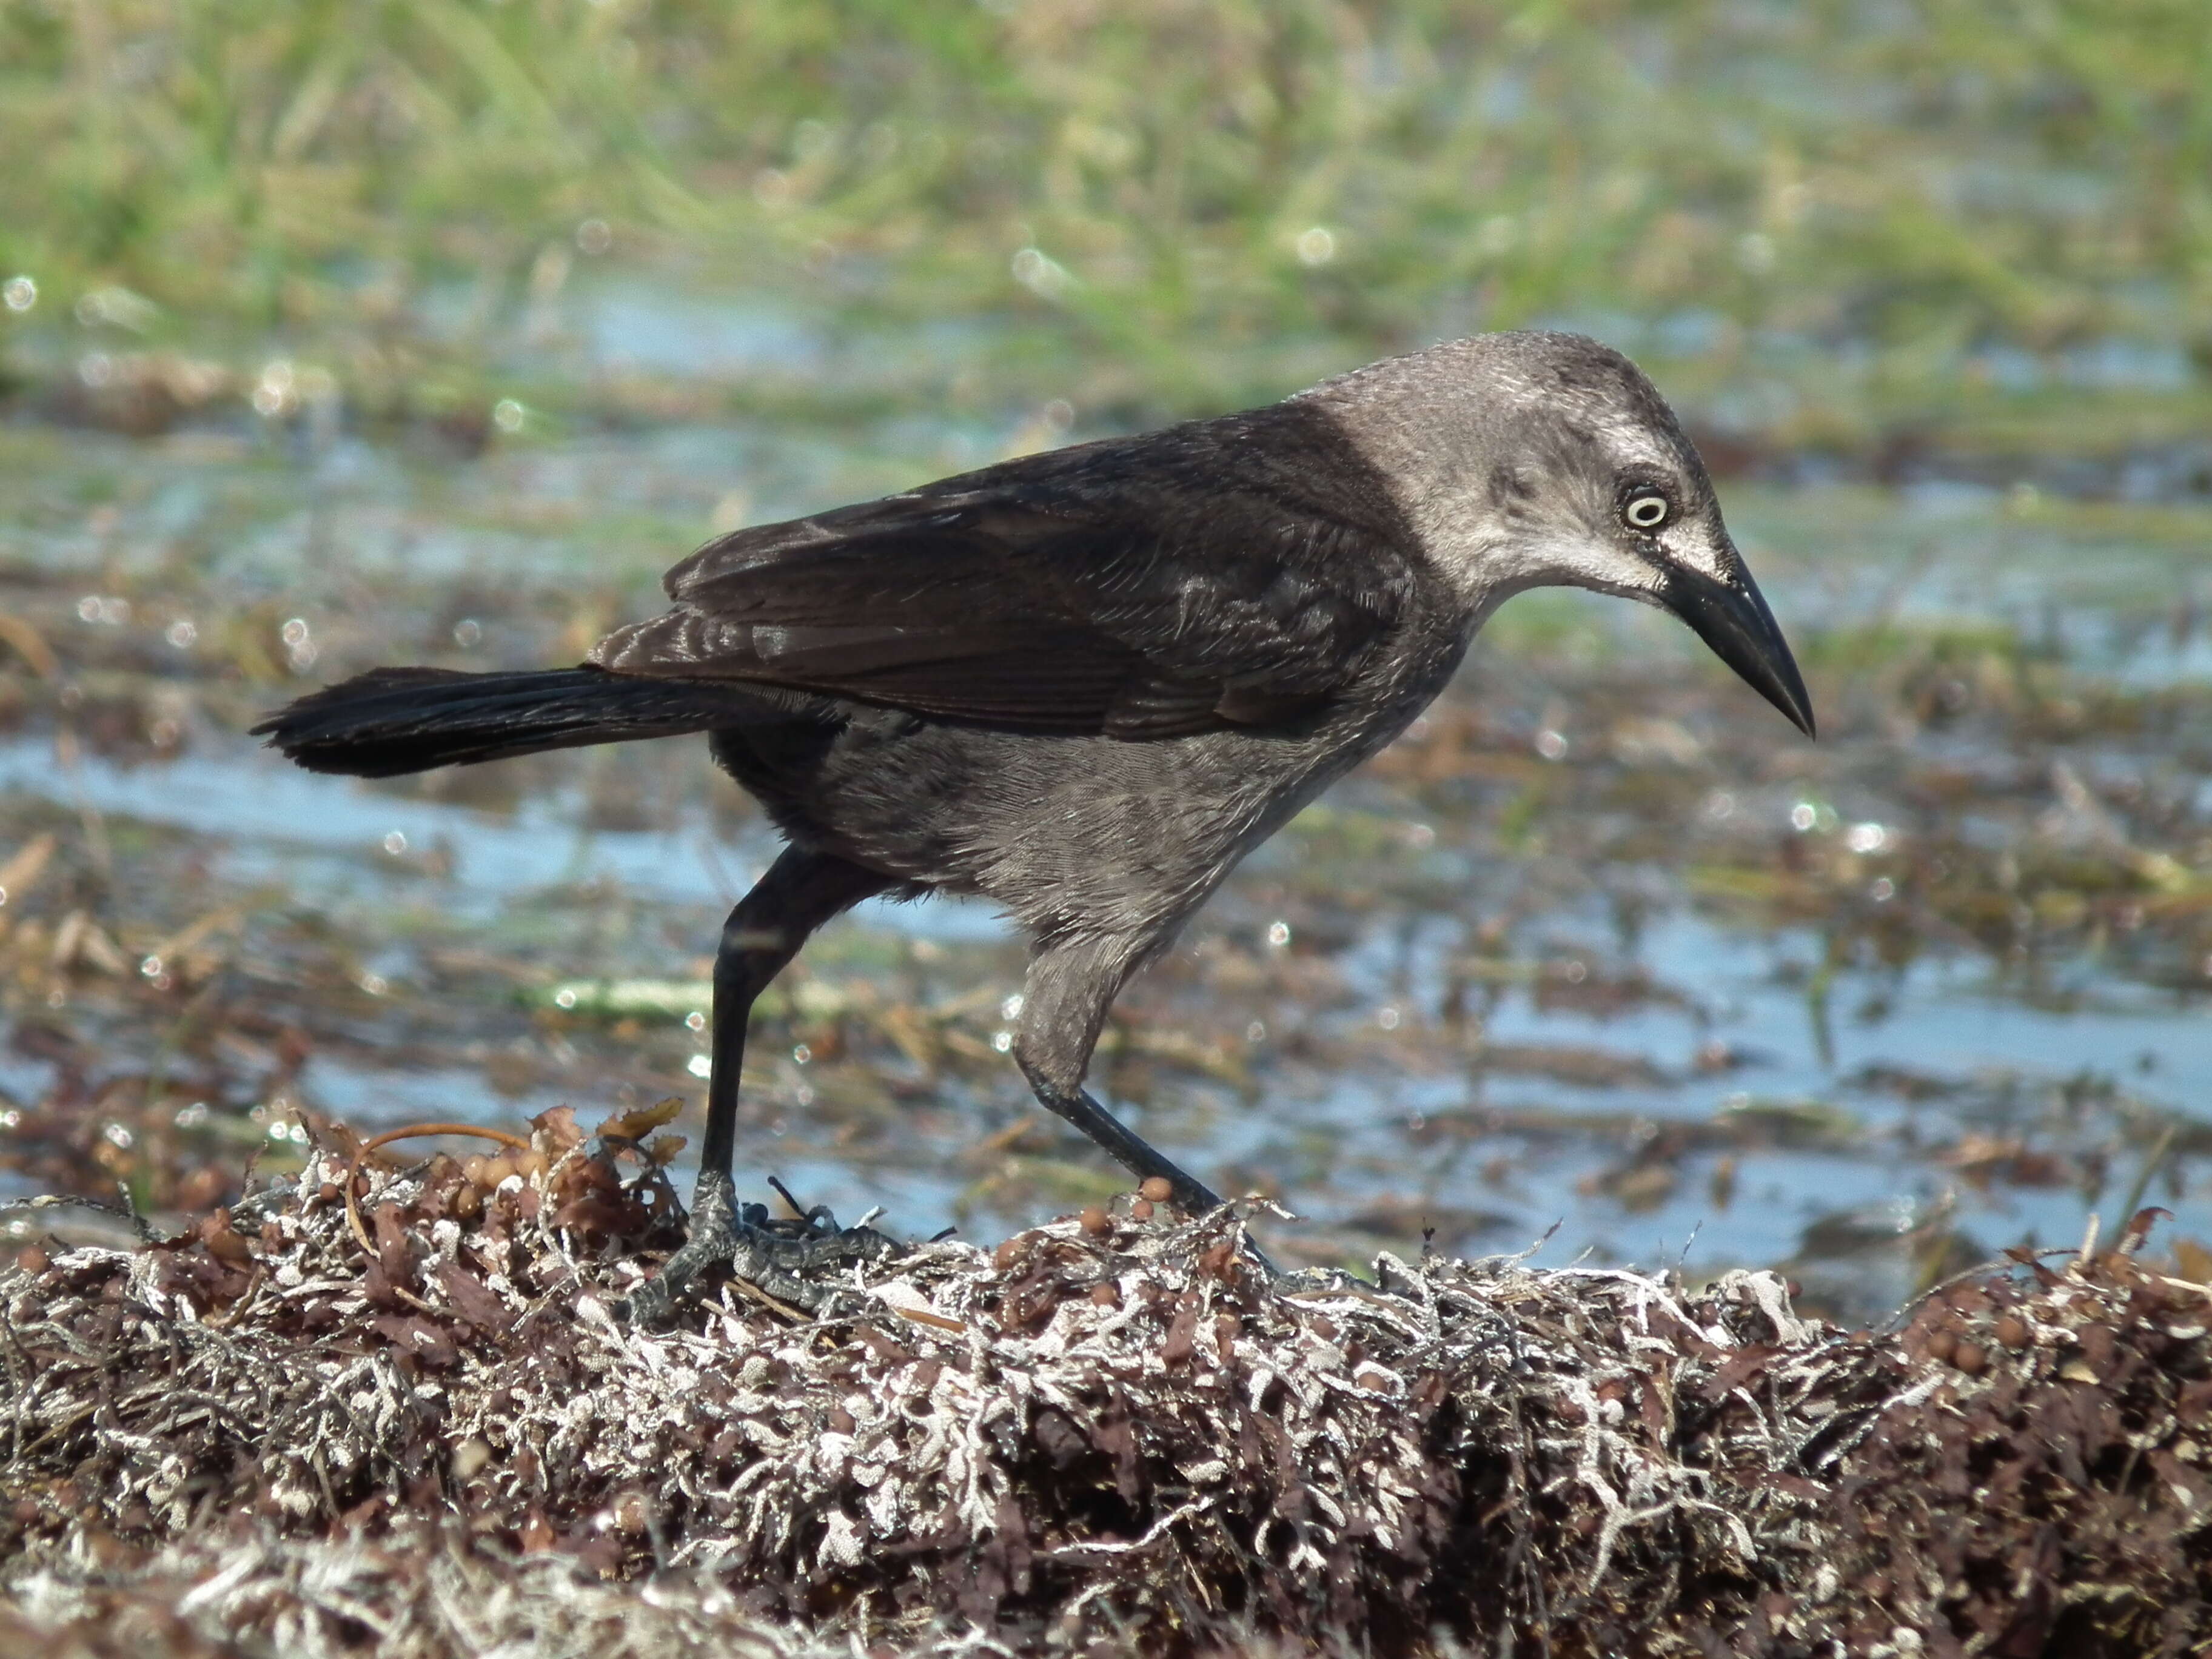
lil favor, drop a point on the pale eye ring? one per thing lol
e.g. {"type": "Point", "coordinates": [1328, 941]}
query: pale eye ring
{"type": "Point", "coordinates": [1647, 510]}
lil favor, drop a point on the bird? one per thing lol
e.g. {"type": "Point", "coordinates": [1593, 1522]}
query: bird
{"type": "Point", "coordinates": [1085, 683]}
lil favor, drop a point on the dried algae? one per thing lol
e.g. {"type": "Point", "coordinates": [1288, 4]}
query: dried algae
{"type": "Point", "coordinates": [403, 1420]}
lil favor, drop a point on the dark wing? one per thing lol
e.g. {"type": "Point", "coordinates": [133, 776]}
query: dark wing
{"type": "Point", "coordinates": [1154, 587]}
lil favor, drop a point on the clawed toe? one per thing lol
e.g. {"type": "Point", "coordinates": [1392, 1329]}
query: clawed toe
{"type": "Point", "coordinates": [793, 1260]}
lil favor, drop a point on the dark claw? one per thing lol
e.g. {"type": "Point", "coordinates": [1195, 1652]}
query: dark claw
{"type": "Point", "coordinates": [797, 1261]}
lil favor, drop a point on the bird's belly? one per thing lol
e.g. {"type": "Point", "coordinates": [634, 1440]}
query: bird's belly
{"type": "Point", "coordinates": [1073, 833]}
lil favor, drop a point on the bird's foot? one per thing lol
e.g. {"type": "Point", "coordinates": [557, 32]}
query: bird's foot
{"type": "Point", "coordinates": [792, 1260]}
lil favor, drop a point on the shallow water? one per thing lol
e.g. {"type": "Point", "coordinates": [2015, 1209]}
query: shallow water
{"type": "Point", "coordinates": [1602, 944]}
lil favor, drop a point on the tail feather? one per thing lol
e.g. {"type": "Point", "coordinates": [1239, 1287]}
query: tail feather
{"type": "Point", "coordinates": [394, 721]}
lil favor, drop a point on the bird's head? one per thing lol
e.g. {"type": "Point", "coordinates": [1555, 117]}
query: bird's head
{"type": "Point", "coordinates": [1544, 461]}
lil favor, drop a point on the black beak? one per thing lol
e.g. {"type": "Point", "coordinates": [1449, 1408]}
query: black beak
{"type": "Point", "coordinates": [1733, 620]}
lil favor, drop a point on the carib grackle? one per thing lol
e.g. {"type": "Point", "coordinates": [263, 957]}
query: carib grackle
{"type": "Point", "coordinates": [1085, 683]}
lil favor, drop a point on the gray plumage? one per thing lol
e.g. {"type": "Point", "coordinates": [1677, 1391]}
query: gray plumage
{"type": "Point", "coordinates": [1083, 684]}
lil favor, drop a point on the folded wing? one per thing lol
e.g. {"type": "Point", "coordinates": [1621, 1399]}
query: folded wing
{"type": "Point", "coordinates": [1145, 588]}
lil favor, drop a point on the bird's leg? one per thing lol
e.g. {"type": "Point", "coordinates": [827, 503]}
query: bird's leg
{"type": "Point", "coordinates": [800, 891]}
{"type": "Point", "coordinates": [1064, 1003]}
{"type": "Point", "coordinates": [1134, 1152]}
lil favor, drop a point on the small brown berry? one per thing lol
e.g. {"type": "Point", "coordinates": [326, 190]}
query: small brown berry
{"type": "Point", "coordinates": [328, 1192]}
{"type": "Point", "coordinates": [1107, 1295]}
{"type": "Point", "coordinates": [474, 1167]}
{"type": "Point", "coordinates": [1941, 1343]}
{"type": "Point", "coordinates": [2013, 1331]}
{"type": "Point", "coordinates": [841, 1421]}
{"type": "Point", "coordinates": [1007, 1254]}
{"type": "Point", "coordinates": [1141, 1210]}
{"type": "Point", "coordinates": [1155, 1188]}
{"type": "Point", "coordinates": [1095, 1222]}
{"type": "Point", "coordinates": [1969, 1358]}
{"type": "Point", "coordinates": [33, 1260]}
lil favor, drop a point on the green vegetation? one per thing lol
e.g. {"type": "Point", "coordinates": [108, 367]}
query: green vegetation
{"type": "Point", "coordinates": [1191, 202]}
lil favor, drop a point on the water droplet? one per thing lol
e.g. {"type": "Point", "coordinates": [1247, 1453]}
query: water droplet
{"type": "Point", "coordinates": [800, 1054]}
{"type": "Point", "coordinates": [1012, 1007]}
{"type": "Point", "coordinates": [508, 414]}
{"type": "Point", "coordinates": [272, 393]}
{"type": "Point", "coordinates": [182, 633]}
{"type": "Point", "coordinates": [1863, 837]}
{"type": "Point", "coordinates": [1002, 1041]}
{"type": "Point", "coordinates": [1803, 815]}
{"type": "Point", "coordinates": [395, 841]}
{"type": "Point", "coordinates": [116, 1135]}
{"type": "Point", "coordinates": [1316, 246]}
{"type": "Point", "coordinates": [1044, 277]}
{"type": "Point", "coordinates": [1388, 1017]}
{"type": "Point", "coordinates": [695, 1020]}
{"type": "Point", "coordinates": [1279, 934]}
{"type": "Point", "coordinates": [19, 293]}
{"type": "Point", "coordinates": [699, 1066]}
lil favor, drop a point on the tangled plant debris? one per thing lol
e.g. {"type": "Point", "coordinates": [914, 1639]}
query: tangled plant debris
{"type": "Point", "coordinates": [387, 1405]}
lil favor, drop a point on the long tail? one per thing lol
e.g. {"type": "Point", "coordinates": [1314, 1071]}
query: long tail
{"type": "Point", "coordinates": [391, 720]}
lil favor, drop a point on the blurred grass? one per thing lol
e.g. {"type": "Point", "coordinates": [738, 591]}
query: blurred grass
{"type": "Point", "coordinates": [1159, 205]}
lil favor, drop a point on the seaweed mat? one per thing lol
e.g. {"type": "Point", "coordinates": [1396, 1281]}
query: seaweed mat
{"type": "Point", "coordinates": [411, 1425]}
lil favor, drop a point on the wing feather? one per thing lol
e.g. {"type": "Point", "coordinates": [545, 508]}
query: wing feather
{"type": "Point", "coordinates": [1147, 588]}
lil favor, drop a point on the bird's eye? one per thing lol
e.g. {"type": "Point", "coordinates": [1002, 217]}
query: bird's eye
{"type": "Point", "coordinates": [1647, 511]}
